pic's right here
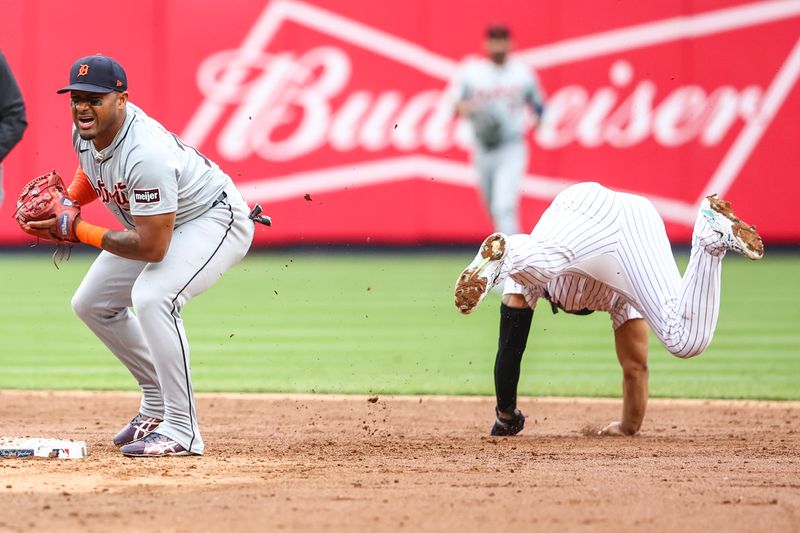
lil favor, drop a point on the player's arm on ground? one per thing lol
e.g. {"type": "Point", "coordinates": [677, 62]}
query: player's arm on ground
{"type": "Point", "coordinates": [631, 344]}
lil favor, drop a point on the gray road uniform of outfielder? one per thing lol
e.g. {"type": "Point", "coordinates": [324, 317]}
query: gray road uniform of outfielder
{"type": "Point", "coordinates": [499, 95]}
{"type": "Point", "coordinates": [148, 171]}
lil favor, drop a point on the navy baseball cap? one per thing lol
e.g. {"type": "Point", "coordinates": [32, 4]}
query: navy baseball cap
{"type": "Point", "coordinates": [498, 30]}
{"type": "Point", "coordinates": [96, 74]}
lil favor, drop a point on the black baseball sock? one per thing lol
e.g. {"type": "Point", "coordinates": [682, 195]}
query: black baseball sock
{"type": "Point", "coordinates": [515, 324]}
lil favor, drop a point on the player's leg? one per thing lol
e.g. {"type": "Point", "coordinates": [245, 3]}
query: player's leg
{"type": "Point", "coordinates": [682, 311]}
{"type": "Point", "coordinates": [485, 164]}
{"type": "Point", "coordinates": [512, 161]}
{"type": "Point", "coordinates": [515, 324]}
{"type": "Point", "coordinates": [200, 252]}
{"type": "Point", "coordinates": [587, 225]}
{"type": "Point", "coordinates": [102, 301]}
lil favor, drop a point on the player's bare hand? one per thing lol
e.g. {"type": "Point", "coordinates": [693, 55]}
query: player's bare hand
{"type": "Point", "coordinates": [42, 229]}
{"type": "Point", "coordinates": [465, 108]}
{"type": "Point", "coordinates": [616, 429]}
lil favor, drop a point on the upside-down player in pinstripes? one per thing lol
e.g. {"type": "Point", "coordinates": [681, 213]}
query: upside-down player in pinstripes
{"type": "Point", "coordinates": [597, 249]}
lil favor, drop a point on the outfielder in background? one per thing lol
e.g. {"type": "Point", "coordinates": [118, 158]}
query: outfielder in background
{"type": "Point", "coordinates": [598, 249]}
{"type": "Point", "coordinates": [12, 115]}
{"type": "Point", "coordinates": [186, 225]}
{"type": "Point", "coordinates": [492, 94]}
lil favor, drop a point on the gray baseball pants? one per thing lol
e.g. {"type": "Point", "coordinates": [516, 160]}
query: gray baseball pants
{"type": "Point", "coordinates": [152, 343]}
{"type": "Point", "coordinates": [500, 173]}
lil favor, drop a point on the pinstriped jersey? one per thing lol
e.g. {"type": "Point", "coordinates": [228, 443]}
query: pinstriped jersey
{"type": "Point", "coordinates": [619, 240]}
{"type": "Point", "coordinates": [575, 292]}
{"type": "Point", "coordinates": [148, 170]}
{"type": "Point", "coordinates": [584, 220]}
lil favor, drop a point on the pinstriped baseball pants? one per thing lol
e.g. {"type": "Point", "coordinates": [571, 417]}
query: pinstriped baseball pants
{"type": "Point", "coordinates": [586, 222]}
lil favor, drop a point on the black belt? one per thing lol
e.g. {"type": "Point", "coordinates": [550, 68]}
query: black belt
{"type": "Point", "coordinates": [555, 306]}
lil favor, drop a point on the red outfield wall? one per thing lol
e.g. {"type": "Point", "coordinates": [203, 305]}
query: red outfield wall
{"type": "Point", "coordinates": [345, 102]}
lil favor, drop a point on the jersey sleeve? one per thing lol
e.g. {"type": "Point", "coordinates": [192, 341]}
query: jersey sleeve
{"type": "Point", "coordinates": [80, 189]}
{"type": "Point", "coordinates": [152, 184]}
{"type": "Point", "coordinates": [533, 94]}
{"type": "Point", "coordinates": [459, 87]}
{"type": "Point", "coordinates": [13, 119]}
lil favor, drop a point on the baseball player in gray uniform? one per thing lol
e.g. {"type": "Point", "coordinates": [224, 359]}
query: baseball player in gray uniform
{"type": "Point", "coordinates": [186, 225]}
{"type": "Point", "coordinates": [492, 94]}
{"type": "Point", "coordinates": [595, 248]}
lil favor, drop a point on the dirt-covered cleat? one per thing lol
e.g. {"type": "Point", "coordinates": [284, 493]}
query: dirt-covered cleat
{"type": "Point", "coordinates": [139, 427]}
{"type": "Point", "coordinates": [506, 425]}
{"type": "Point", "coordinates": [154, 445]}
{"type": "Point", "coordinates": [481, 275]}
{"type": "Point", "coordinates": [734, 233]}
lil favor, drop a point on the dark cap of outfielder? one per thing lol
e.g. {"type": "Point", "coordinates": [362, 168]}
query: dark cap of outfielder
{"type": "Point", "coordinates": [96, 74]}
{"type": "Point", "coordinates": [498, 30]}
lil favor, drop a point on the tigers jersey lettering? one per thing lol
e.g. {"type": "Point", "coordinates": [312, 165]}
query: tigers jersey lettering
{"type": "Point", "coordinates": [145, 157]}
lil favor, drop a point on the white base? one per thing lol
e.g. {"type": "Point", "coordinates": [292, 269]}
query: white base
{"type": "Point", "coordinates": [11, 447]}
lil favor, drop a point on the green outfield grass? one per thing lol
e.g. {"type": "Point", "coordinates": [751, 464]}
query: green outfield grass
{"type": "Point", "coordinates": [386, 324]}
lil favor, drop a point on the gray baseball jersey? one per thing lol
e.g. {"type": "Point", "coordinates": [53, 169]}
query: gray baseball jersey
{"type": "Point", "coordinates": [590, 232]}
{"type": "Point", "coordinates": [502, 92]}
{"type": "Point", "coordinates": [147, 170]}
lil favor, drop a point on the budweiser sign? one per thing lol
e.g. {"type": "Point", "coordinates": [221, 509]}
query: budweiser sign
{"type": "Point", "coordinates": [349, 105]}
{"type": "Point", "coordinates": [252, 92]}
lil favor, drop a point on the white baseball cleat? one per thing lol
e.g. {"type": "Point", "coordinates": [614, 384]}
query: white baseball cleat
{"type": "Point", "coordinates": [734, 233]}
{"type": "Point", "coordinates": [481, 275]}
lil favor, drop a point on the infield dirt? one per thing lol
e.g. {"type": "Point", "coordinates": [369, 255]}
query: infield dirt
{"type": "Point", "coordinates": [344, 463]}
